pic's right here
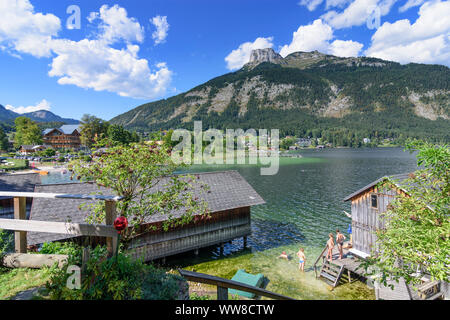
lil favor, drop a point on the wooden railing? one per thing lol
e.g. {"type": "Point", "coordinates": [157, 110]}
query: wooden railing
{"type": "Point", "coordinates": [21, 226]}
{"type": "Point", "coordinates": [318, 259]}
{"type": "Point", "coordinates": [429, 290]}
{"type": "Point", "coordinates": [223, 285]}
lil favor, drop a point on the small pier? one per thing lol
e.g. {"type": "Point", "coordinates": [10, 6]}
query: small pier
{"type": "Point", "coordinates": [338, 269]}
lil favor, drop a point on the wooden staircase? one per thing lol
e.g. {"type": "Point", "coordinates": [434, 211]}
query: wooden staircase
{"type": "Point", "coordinates": [331, 273]}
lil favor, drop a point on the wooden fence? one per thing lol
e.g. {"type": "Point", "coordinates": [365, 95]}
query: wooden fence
{"type": "Point", "coordinates": [224, 284]}
{"type": "Point", "coordinates": [21, 226]}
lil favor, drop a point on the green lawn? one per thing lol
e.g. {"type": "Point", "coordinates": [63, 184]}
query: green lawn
{"type": "Point", "coordinates": [17, 164]}
{"type": "Point", "coordinates": [14, 281]}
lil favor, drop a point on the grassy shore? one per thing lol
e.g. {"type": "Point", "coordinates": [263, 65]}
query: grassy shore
{"type": "Point", "coordinates": [14, 281]}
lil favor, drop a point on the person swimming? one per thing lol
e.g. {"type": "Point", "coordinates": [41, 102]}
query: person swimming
{"type": "Point", "coordinates": [301, 259]}
{"type": "Point", "coordinates": [283, 255]}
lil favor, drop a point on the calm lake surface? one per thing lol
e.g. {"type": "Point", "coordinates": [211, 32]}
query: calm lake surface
{"type": "Point", "coordinates": [303, 204]}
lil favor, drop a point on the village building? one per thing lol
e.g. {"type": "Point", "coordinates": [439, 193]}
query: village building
{"type": "Point", "coordinates": [229, 200]}
{"type": "Point", "coordinates": [367, 205]}
{"type": "Point", "coordinates": [304, 142]}
{"type": "Point", "coordinates": [31, 149]}
{"type": "Point", "coordinates": [65, 137]}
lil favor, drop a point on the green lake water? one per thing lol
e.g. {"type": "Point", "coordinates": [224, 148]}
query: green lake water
{"type": "Point", "coordinates": [303, 204]}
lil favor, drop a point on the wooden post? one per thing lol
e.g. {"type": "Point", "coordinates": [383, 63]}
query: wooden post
{"type": "Point", "coordinates": [222, 293]}
{"type": "Point", "coordinates": [221, 248]}
{"type": "Point", "coordinates": [245, 242]}
{"type": "Point", "coordinates": [349, 273]}
{"type": "Point", "coordinates": [20, 212]}
{"type": "Point", "coordinates": [110, 216]}
{"type": "Point", "coordinates": [84, 260]}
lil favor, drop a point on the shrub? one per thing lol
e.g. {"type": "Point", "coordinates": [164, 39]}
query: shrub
{"type": "Point", "coordinates": [195, 296]}
{"type": "Point", "coordinates": [68, 248]}
{"type": "Point", "coordinates": [117, 278]}
{"type": "Point", "coordinates": [6, 242]}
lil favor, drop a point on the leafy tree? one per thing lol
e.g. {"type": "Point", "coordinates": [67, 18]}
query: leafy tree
{"type": "Point", "coordinates": [92, 128]}
{"type": "Point", "coordinates": [4, 144]}
{"type": "Point", "coordinates": [49, 152]}
{"type": "Point", "coordinates": [417, 233]}
{"type": "Point", "coordinates": [287, 142]}
{"type": "Point", "coordinates": [131, 172]}
{"type": "Point", "coordinates": [118, 135]}
{"type": "Point", "coordinates": [27, 132]}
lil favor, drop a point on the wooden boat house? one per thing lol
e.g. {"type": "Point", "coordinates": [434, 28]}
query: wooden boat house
{"type": "Point", "coordinates": [16, 183]}
{"type": "Point", "coordinates": [366, 206]}
{"type": "Point", "coordinates": [229, 200]}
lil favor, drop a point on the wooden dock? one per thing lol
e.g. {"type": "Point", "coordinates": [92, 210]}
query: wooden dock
{"type": "Point", "coordinates": [349, 262]}
{"type": "Point", "coordinates": [333, 272]}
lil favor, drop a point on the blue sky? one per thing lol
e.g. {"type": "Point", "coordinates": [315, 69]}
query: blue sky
{"type": "Point", "coordinates": [117, 60]}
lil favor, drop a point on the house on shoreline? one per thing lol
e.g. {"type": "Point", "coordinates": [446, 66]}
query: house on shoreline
{"type": "Point", "coordinates": [229, 200]}
{"type": "Point", "coordinates": [367, 204]}
{"type": "Point", "coordinates": [65, 137]}
{"type": "Point", "coordinates": [32, 149]}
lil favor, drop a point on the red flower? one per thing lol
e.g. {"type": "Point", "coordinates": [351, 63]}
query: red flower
{"type": "Point", "coordinates": [120, 224]}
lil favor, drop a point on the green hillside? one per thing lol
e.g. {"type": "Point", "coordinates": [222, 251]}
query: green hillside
{"type": "Point", "coordinates": [312, 94]}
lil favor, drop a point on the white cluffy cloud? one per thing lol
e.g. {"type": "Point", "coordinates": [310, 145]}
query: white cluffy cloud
{"type": "Point", "coordinates": [357, 13]}
{"type": "Point", "coordinates": [240, 56]}
{"type": "Point", "coordinates": [96, 64]}
{"type": "Point", "coordinates": [313, 4]}
{"type": "Point", "coordinates": [162, 29]}
{"type": "Point", "coordinates": [318, 36]}
{"type": "Point", "coordinates": [425, 41]}
{"type": "Point", "coordinates": [107, 61]}
{"type": "Point", "coordinates": [410, 4]}
{"type": "Point", "coordinates": [43, 105]}
{"type": "Point", "coordinates": [115, 25]}
{"type": "Point", "coordinates": [22, 30]}
{"type": "Point", "coordinates": [310, 4]}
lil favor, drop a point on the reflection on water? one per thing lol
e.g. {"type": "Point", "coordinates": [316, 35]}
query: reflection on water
{"type": "Point", "coordinates": [303, 204]}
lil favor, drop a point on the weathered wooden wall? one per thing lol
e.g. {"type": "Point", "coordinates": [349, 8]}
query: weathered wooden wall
{"type": "Point", "coordinates": [221, 227]}
{"type": "Point", "coordinates": [366, 220]}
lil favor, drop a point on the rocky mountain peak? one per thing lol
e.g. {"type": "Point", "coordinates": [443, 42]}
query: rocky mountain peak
{"type": "Point", "coordinates": [264, 55]}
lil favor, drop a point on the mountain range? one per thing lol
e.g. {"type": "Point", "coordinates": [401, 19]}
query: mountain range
{"type": "Point", "coordinates": [310, 93]}
{"type": "Point", "coordinates": [9, 116]}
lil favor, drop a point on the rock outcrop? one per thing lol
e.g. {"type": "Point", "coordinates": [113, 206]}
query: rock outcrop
{"type": "Point", "coordinates": [264, 55]}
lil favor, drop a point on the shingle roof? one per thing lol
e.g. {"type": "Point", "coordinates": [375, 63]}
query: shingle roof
{"type": "Point", "coordinates": [27, 146]}
{"type": "Point", "coordinates": [46, 131]}
{"type": "Point", "coordinates": [24, 182]}
{"type": "Point", "coordinates": [69, 128]}
{"type": "Point", "coordinates": [228, 190]}
{"type": "Point", "coordinates": [398, 178]}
